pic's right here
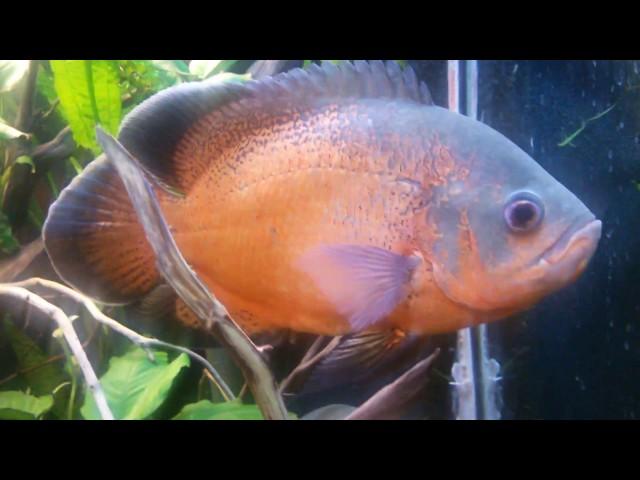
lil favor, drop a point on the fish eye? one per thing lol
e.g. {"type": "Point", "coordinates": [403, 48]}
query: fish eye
{"type": "Point", "coordinates": [523, 212]}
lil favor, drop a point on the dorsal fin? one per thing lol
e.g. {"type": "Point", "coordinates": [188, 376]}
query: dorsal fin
{"type": "Point", "coordinates": [153, 131]}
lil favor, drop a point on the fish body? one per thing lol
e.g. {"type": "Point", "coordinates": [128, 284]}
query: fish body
{"type": "Point", "coordinates": [330, 201]}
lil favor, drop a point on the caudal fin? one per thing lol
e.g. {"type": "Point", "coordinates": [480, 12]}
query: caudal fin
{"type": "Point", "coordinates": [94, 240]}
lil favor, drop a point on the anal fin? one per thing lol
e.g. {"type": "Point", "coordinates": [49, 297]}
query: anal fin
{"type": "Point", "coordinates": [361, 358]}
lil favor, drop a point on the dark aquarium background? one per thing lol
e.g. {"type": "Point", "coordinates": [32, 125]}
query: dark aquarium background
{"type": "Point", "coordinates": [577, 354]}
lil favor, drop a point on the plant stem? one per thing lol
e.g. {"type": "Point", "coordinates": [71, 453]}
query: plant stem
{"type": "Point", "coordinates": [23, 296]}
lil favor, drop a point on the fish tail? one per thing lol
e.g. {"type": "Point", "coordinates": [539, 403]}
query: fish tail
{"type": "Point", "coordinates": [94, 240]}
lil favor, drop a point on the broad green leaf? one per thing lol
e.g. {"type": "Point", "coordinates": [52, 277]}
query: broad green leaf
{"type": "Point", "coordinates": [11, 72]}
{"type": "Point", "coordinates": [42, 380]}
{"type": "Point", "coordinates": [20, 406]}
{"type": "Point", "coordinates": [203, 68]}
{"type": "Point", "coordinates": [89, 93]}
{"type": "Point", "coordinates": [45, 85]}
{"type": "Point", "coordinates": [135, 387]}
{"type": "Point", "coordinates": [7, 132]}
{"type": "Point", "coordinates": [206, 68]}
{"type": "Point", "coordinates": [235, 410]}
{"type": "Point", "coordinates": [224, 65]}
{"type": "Point", "coordinates": [205, 410]}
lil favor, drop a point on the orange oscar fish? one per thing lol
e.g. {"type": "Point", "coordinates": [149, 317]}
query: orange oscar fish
{"type": "Point", "coordinates": [332, 200]}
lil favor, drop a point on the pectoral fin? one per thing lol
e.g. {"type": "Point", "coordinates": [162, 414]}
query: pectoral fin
{"type": "Point", "coordinates": [364, 283]}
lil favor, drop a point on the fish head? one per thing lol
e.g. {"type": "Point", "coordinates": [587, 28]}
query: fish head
{"type": "Point", "coordinates": [507, 233]}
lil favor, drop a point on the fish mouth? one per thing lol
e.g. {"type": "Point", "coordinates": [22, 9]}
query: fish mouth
{"type": "Point", "coordinates": [575, 246]}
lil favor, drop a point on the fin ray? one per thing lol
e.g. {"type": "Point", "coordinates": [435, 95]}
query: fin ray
{"type": "Point", "coordinates": [364, 283]}
{"type": "Point", "coordinates": [94, 240]}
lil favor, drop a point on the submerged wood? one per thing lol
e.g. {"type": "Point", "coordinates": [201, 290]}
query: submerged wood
{"type": "Point", "coordinates": [16, 294]}
{"type": "Point", "coordinates": [390, 402]}
{"type": "Point", "coordinates": [188, 286]}
{"type": "Point", "coordinates": [140, 340]}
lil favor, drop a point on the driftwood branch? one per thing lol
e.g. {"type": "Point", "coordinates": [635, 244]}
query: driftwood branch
{"type": "Point", "coordinates": [136, 338]}
{"type": "Point", "coordinates": [58, 148]}
{"type": "Point", "coordinates": [19, 294]}
{"type": "Point", "coordinates": [390, 401]}
{"type": "Point", "coordinates": [187, 284]}
{"type": "Point", "coordinates": [311, 358]}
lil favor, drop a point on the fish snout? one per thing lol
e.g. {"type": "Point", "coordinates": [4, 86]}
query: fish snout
{"type": "Point", "coordinates": [569, 256]}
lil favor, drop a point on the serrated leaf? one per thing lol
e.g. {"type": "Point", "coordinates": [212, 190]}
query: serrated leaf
{"type": "Point", "coordinates": [205, 410]}
{"type": "Point", "coordinates": [20, 406]}
{"type": "Point", "coordinates": [89, 93]}
{"type": "Point", "coordinates": [135, 387]}
{"type": "Point", "coordinates": [11, 72]}
{"type": "Point", "coordinates": [7, 132]}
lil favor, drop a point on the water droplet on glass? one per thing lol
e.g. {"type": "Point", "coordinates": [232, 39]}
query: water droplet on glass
{"type": "Point", "coordinates": [610, 154]}
{"type": "Point", "coordinates": [610, 169]}
{"type": "Point", "coordinates": [626, 345]}
{"type": "Point", "coordinates": [620, 125]}
{"type": "Point", "coordinates": [595, 63]}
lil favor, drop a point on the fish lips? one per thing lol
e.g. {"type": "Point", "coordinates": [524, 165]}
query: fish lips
{"type": "Point", "coordinates": [567, 258]}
